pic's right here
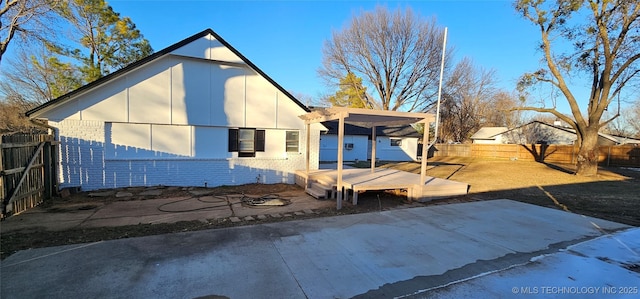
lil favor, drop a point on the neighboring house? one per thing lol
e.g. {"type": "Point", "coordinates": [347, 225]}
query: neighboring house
{"type": "Point", "coordinates": [394, 143]}
{"type": "Point", "coordinates": [197, 113]}
{"type": "Point", "coordinates": [489, 135]}
{"type": "Point", "coordinates": [537, 132]}
{"type": "Point", "coordinates": [619, 140]}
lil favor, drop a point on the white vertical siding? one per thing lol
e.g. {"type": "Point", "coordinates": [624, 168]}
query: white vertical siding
{"type": "Point", "coordinates": [150, 96]}
{"type": "Point", "coordinates": [235, 103]}
{"type": "Point", "coordinates": [190, 93]}
{"type": "Point", "coordinates": [207, 48]}
{"type": "Point", "coordinates": [187, 92]}
{"type": "Point", "coordinates": [287, 113]}
{"type": "Point", "coordinates": [167, 123]}
{"type": "Point", "coordinates": [262, 94]}
{"type": "Point", "coordinates": [109, 102]}
{"type": "Point", "coordinates": [171, 140]}
{"type": "Point", "coordinates": [125, 135]}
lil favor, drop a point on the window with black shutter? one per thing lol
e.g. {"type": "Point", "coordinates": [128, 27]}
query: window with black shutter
{"type": "Point", "coordinates": [246, 141]}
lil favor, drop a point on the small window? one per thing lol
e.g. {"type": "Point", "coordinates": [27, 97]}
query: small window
{"type": "Point", "coordinates": [246, 141]}
{"type": "Point", "coordinates": [396, 142]}
{"type": "Point", "coordinates": [292, 142]}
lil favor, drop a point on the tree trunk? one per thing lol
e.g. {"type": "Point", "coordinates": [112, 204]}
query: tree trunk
{"type": "Point", "coordinates": [588, 154]}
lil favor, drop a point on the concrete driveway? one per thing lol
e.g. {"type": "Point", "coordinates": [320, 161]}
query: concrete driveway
{"type": "Point", "coordinates": [498, 248]}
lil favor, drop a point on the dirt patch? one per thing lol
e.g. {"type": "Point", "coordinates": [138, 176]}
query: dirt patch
{"type": "Point", "coordinates": [612, 195]}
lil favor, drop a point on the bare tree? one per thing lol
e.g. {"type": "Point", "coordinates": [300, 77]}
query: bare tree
{"type": "Point", "coordinates": [306, 99]}
{"type": "Point", "coordinates": [23, 19]}
{"type": "Point", "coordinates": [606, 50]}
{"type": "Point", "coordinates": [499, 110]}
{"type": "Point", "coordinates": [397, 54]}
{"type": "Point", "coordinates": [38, 77]}
{"type": "Point", "coordinates": [618, 126]}
{"type": "Point", "coordinates": [12, 118]}
{"type": "Point", "coordinates": [632, 117]}
{"type": "Point", "coordinates": [466, 102]}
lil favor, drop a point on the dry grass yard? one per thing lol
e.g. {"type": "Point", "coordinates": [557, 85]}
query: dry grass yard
{"type": "Point", "coordinates": [614, 194]}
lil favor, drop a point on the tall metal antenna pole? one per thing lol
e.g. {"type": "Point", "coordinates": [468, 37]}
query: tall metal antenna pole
{"type": "Point", "coordinates": [444, 47]}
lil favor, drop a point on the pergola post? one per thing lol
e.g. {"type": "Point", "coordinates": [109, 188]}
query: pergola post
{"type": "Point", "coordinates": [340, 158]}
{"type": "Point", "coordinates": [367, 118]}
{"type": "Point", "coordinates": [373, 149]}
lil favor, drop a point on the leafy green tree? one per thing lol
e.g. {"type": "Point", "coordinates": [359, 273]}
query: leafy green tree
{"type": "Point", "coordinates": [351, 93]}
{"type": "Point", "coordinates": [104, 41]}
{"type": "Point", "coordinates": [605, 35]}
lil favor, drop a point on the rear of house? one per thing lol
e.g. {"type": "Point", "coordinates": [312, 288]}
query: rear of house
{"type": "Point", "coordinates": [197, 113]}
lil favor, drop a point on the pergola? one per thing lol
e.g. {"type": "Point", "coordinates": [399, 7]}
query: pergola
{"type": "Point", "coordinates": [366, 118]}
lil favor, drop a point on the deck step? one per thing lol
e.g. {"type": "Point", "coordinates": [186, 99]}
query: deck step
{"type": "Point", "coordinates": [320, 186]}
{"type": "Point", "coordinates": [319, 191]}
{"type": "Point", "coordinates": [325, 181]}
{"type": "Point", "coordinates": [318, 194]}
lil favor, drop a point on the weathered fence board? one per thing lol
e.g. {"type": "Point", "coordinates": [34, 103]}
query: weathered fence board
{"type": "Point", "coordinates": [27, 171]}
{"type": "Point", "coordinates": [612, 155]}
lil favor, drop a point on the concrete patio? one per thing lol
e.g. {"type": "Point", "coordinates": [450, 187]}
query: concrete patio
{"type": "Point", "coordinates": [481, 249]}
{"type": "Point", "coordinates": [199, 206]}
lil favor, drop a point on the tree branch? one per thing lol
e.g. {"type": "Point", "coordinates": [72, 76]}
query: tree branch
{"type": "Point", "coordinates": [553, 111]}
{"type": "Point", "coordinates": [604, 123]}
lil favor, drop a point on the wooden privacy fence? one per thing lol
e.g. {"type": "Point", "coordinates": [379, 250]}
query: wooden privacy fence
{"type": "Point", "coordinates": [27, 171]}
{"type": "Point", "coordinates": [610, 155]}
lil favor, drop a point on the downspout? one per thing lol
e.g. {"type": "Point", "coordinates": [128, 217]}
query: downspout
{"type": "Point", "coordinates": [51, 130]}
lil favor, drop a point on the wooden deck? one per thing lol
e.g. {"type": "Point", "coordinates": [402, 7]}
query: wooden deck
{"type": "Point", "coordinates": [357, 180]}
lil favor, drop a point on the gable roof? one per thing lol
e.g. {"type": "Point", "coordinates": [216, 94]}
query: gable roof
{"type": "Point", "coordinates": [569, 130]}
{"type": "Point", "coordinates": [492, 132]}
{"type": "Point", "coordinates": [489, 132]}
{"type": "Point", "coordinates": [66, 97]}
{"type": "Point", "coordinates": [390, 131]}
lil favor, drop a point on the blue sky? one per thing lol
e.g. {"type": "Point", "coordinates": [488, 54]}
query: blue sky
{"type": "Point", "coordinates": [285, 38]}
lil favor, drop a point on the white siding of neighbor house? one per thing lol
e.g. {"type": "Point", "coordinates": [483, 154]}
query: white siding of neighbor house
{"type": "Point", "coordinates": [167, 122]}
{"type": "Point", "coordinates": [329, 148]}
{"type": "Point", "coordinates": [407, 151]}
{"type": "Point", "coordinates": [496, 140]}
{"type": "Point", "coordinates": [362, 148]}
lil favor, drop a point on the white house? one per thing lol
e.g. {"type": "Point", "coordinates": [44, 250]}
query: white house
{"type": "Point", "coordinates": [540, 132]}
{"type": "Point", "coordinates": [489, 135]}
{"type": "Point", "coordinates": [197, 113]}
{"type": "Point", "coordinates": [394, 143]}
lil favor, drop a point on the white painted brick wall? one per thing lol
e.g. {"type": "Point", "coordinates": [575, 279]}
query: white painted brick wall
{"type": "Point", "coordinates": [83, 163]}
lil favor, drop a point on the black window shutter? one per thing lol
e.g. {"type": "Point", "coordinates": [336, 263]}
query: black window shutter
{"type": "Point", "coordinates": [233, 140]}
{"type": "Point", "coordinates": [259, 141]}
